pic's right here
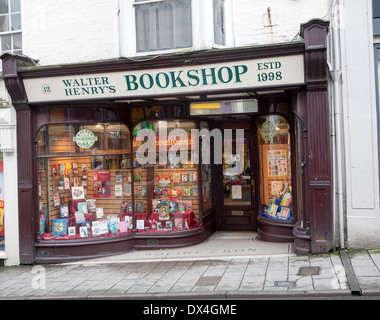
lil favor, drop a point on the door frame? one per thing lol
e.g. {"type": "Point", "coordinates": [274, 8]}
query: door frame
{"type": "Point", "coordinates": [238, 217]}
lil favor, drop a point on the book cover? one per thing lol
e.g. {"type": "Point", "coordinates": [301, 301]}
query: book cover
{"type": "Point", "coordinates": [137, 176]}
{"type": "Point", "coordinates": [99, 213]}
{"type": "Point", "coordinates": [119, 176]}
{"type": "Point", "coordinates": [59, 227]}
{"type": "Point", "coordinates": [176, 177]}
{"type": "Point", "coordinates": [42, 226]}
{"type": "Point", "coordinates": [285, 213]}
{"type": "Point", "coordinates": [66, 183]}
{"type": "Point", "coordinates": [168, 225]}
{"type": "Point", "coordinates": [123, 226]}
{"type": "Point", "coordinates": [54, 170]}
{"type": "Point", "coordinates": [95, 229]}
{"type": "Point", "coordinates": [83, 232]}
{"type": "Point", "coordinates": [77, 193]}
{"type": "Point", "coordinates": [139, 207]}
{"type": "Point", "coordinates": [286, 200]}
{"type": "Point", "coordinates": [114, 225]}
{"type": "Point", "coordinates": [164, 180]}
{"type": "Point", "coordinates": [56, 199]}
{"type": "Point", "coordinates": [103, 227]}
{"type": "Point", "coordinates": [193, 176]}
{"type": "Point", "coordinates": [129, 221]}
{"type": "Point", "coordinates": [127, 190]}
{"type": "Point", "coordinates": [273, 210]}
{"type": "Point", "coordinates": [79, 217]}
{"type": "Point", "coordinates": [61, 183]}
{"type": "Point", "coordinates": [118, 190]}
{"type": "Point", "coordinates": [62, 169]}
{"type": "Point", "coordinates": [64, 211]}
{"type": "Point", "coordinates": [164, 213]}
{"type": "Point", "coordinates": [82, 207]}
{"type": "Point", "coordinates": [172, 206]}
{"type": "Point", "coordinates": [91, 205]}
{"type": "Point", "coordinates": [178, 223]}
{"type": "Point", "coordinates": [140, 224]}
{"type": "Point", "coordinates": [71, 231]}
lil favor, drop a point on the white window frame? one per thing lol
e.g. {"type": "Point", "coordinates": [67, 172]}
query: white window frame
{"type": "Point", "coordinates": [12, 33]}
{"type": "Point", "coordinates": [202, 28]}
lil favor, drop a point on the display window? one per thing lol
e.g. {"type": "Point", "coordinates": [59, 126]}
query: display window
{"type": "Point", "coordinates": [275, 160]}
{"type": "Point", "coordinates": [2, 225]}
{"type": "Point", "coordinates": [166, 188]}
{"type": "Point", "coordinates": [206, 176]}
{"type": "Point", "coordinates": [84, 178]}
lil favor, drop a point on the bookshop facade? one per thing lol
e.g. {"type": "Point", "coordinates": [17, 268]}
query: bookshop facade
{"type": "Point", "coordinates": [120, 155]}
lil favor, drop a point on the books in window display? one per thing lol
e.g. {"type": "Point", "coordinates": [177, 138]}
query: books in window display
{"type": "Point", "coordinates": [99, 228]}
{"type": "Point", "coordinates": [139, 207]}
{"type": "Point", "coordinates": [126, 207]}
{"type": "Point", "coordinates": [79, 217]}
{"type": "Point", "coordinates": [64, 211]}
{"type": "Point", "coordinates": [91, 205]}
{"type": "Point", "coordinates": [82, 207]}
{"type": "Point", "coordinates": [286, 200]}
{"type": "Point", "coordinates": [113, 224]}
{"type": "Point", "coordinates": [59, 227]}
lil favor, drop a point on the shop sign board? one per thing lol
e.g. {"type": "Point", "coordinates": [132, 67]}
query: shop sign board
{"type": "Point", "coordinates": [218, 77]}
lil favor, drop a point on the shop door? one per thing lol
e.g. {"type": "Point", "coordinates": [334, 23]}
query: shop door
{"type": "Point", "coordinates": [237, 207]}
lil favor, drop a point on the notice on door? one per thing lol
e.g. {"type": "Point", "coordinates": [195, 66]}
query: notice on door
{"type": "Point", "coordinates": [236, 192]}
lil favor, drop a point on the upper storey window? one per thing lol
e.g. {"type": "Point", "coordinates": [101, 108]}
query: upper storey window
{"type": "Point", "coordinates": [10, 26]}
{"type": "Point", "coordinates": [161, 26]}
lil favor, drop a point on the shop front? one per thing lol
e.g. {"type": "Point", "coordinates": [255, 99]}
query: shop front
{"type": "Point", "coordinates": [120, 155]}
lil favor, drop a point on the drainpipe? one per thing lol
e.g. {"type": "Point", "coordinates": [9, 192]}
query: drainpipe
{"type": "Point", "coordinates": [336, 74]}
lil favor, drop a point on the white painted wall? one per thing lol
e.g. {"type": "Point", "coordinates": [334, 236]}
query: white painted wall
{"type": "Point", "coordinates": [79, 31]}
{"type": "Point", "coordinates": [360, 125]}
{"type": "Point", "coordinates": [70, 31]}
{"type": "Point", "coordinates": [10, 193]}
{"type": "Point", "coordinates": [252, 20]}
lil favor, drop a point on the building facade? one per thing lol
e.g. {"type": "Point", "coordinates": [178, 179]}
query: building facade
{"type": "Point", "coordinates": [262, 89]}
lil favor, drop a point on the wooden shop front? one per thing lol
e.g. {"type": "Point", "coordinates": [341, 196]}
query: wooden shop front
{"type": "Point", "coordinates": [238, 140]}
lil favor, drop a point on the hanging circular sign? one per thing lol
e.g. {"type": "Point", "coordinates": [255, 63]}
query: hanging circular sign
{"type": "Point", "coordinates": [85, 138]}
{"type": "Point", "coordinates": [268, 130]}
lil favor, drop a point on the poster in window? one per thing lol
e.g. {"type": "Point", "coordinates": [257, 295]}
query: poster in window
{"type": "Point", "coordinates": [102, 183]}
{"type": "Point", "coordinates": [277, 163]}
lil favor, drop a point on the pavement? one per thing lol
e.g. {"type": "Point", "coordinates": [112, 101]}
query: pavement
{"type": "Point", "coordinates": [227, 266]}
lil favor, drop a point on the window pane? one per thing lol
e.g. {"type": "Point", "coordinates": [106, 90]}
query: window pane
{"type": "Point", "coordinates": [163, 25]}
{"type": "Point", "coordinates": [80, 194]}
{"type": "Point", "coordinates": [17, 41]}
{"type": "Point", "coordinates": [224, 107]}
{"type": "Point", "coordinates": [219, 32]}
{"type": "Point", "coordinates": [376, 9]}
{"type": "Point", "coordinates": [166, 194]}
{"type": "Point", "coordinates": [275, 160]}
{"type": "Point", "coordinates": [4, 23]}
{"type": "Point", "coordinates": [15, 21]}
{"type": "Point", "coordinates": [145, 28]}
{"type": "Point", "coordinates": [6, 43]}
{"type": "Point", "coordinates": [15, 6]}
{"type": "Point", "coordinates": [4, 6]}
{"type": "Point", "coordinates": [237, 183]}
{"type": "Point", "coordinates": [182, 23]}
